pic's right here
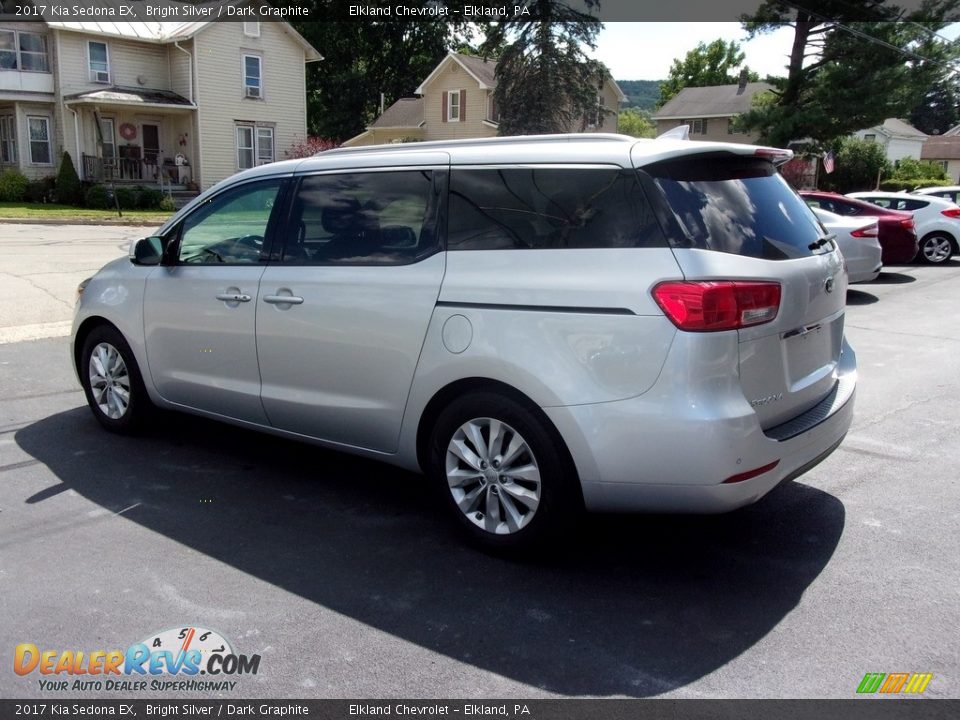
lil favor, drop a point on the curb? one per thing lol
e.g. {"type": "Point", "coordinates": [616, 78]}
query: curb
{"type": "Point", "coordinates": [84, 221]}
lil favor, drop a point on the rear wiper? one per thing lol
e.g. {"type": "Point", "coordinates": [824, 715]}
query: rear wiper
{"type": "Point", "coordinates": [814, 246]}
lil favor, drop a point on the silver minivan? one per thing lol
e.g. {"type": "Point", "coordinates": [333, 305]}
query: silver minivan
{"type": "Point", "coordinates": [540, 324]}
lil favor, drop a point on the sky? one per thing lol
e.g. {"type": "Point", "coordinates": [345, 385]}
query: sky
{"type": "Point", "coordinates": [644, 51]}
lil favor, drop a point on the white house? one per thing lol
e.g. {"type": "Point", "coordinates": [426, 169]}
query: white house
{"type": "Point", "coordinates": [148, 102]}
{"type": "Point", "coordinates": [898, 138]}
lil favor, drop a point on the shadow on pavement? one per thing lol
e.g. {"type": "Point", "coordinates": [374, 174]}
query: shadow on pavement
{"type": "Point", "coordinates": [894, 278]}
{"type": "Point", "coordinates": [859, 297]}
{"type": "Point", "coordinates": [636, 606]}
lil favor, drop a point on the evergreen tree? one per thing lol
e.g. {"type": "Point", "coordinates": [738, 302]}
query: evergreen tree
{"type": "Point", "coordinates": [68, 188]}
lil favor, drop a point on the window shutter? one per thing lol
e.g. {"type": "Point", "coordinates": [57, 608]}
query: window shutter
{"type": "Point", "coordinates": [444, 109]}
{"type": "Point", "coordinates": [463, 105]}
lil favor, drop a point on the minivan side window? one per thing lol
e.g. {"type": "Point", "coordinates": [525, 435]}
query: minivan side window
{"type": "Point", "coordinates": [549, 208]}
{"type": "Point", "coordinates": [369, 218]}
{"type": "Point", "coordinates": [229, 228]}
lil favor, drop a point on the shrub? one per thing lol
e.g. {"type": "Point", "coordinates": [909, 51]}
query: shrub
{"type": "Point", "coordinates": [909, 168]}
{"type": "Point", "coordinates": [310, 146]}
{"type": "Point", "coordinates": [167, 204]}
{"type": "Point", "coordinates": [41, 191]}
{"type": "Point", "coordinates": [897, 184]}
{"type": "Point", "coordinates": [127, 197]}
{"type": "Point", "coordinates": [98, 197]}
{"type": "Point", "coordinates": [858, 165]}
{"type": "Point", "coordinates": [13, 185]}
{"type": "Point", "coordinates": [150, 199]}
{"type": "Point", "coordinates": [68, 189]}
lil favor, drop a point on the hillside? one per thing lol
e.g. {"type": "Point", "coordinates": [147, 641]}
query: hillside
{"type": "Point", "coordinates": [641, 94]}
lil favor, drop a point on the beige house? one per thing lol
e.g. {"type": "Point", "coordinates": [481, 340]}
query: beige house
{"type": "Point", "coordinates": [945, 152]}
{"type": "Point", "coordinates": [710, 111]}
{"type": "Point", "coordinates": [456, 101]}
{"type": "Point", "coordinates": [170, 103]}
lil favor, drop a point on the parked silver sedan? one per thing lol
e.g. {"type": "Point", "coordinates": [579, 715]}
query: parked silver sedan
{"type": "Point", "coordinates": [858, 240]}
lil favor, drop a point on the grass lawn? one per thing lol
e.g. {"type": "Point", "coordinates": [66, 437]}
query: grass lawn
{"type": "Point", "coordinates": [52, 211]}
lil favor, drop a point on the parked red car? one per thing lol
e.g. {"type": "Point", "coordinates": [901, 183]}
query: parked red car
{"type": "Point", "coordinates": [898, 237]}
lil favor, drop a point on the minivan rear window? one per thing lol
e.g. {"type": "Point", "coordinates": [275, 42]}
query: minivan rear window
{"type": "Point", "coordinates": [737, 205]}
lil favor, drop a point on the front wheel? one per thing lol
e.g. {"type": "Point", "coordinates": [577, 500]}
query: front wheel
{"type": "Point", "coordinates": [503, 473]}
{"type": "Point", "coordinates": [112, 382]}
{"type": "Point", "coordinates": [936, 248]}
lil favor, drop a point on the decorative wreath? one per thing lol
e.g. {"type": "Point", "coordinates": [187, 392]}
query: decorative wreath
{"type": "Point", "coordinates": [128, 131]}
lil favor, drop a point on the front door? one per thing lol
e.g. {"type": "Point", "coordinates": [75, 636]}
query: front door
{"type": "Point", "coordinates": [151, 144]}
{"type": "Point", "coordinates": [199, 309]}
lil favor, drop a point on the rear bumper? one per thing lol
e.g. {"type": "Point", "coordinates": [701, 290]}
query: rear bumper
{"type": "Point", "coordinates": [632, 456]}
{"type": "Point", "coordinates": [899, 247]}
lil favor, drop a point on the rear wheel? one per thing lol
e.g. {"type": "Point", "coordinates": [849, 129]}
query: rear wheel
{"type": "Point", "coordinates": [112, 381]}
{"type": "Point", "coordinates": [503, 473]}
{"type": "Point", "coordinates": [936, 248]}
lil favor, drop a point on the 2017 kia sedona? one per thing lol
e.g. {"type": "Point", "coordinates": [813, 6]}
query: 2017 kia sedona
{"type": "Point", "coordinates": [540, 324]}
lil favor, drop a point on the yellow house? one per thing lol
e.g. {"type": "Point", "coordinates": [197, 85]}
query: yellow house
{"type": "Point", "coordinates": [456, 101]}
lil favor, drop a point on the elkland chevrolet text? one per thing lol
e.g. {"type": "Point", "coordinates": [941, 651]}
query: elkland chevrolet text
{"type": "Point", "coordinates": [541, 324]}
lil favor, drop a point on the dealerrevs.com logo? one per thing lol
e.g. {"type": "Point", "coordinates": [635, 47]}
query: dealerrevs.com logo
{"type": "Point", "coordinates": [167, 661]}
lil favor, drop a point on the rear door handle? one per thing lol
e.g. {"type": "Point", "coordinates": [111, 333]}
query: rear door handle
{"type": "Point", "coordinates": [233, 297]}
{"type": "Point", "coordinates": [283, 299]}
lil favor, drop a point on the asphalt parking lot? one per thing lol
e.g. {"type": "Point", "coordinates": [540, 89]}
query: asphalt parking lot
{"type": "Point", "coordinates": [347, 581]}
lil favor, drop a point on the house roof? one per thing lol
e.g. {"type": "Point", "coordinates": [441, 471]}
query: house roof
{"type": "Point", "coordinates": [117, 94]}
{"type": "Point", "coordinates": [955, 130]}
{"type": "Point", "coordinates": [165, 32]}
{"type": "Point", "coordinates": [404, 113]}
{"type": "Point", "coordinates": [895, 127]}
{"type": "Point", "coordinates": [941, 148]}
{"type": "Point", "coordinates": [712, 101]}
{"type": "Point", "coordinates": [483, 70]}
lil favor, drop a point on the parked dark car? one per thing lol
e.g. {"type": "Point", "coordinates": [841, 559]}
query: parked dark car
{"type": "Point", "coordinates": [898, 236]}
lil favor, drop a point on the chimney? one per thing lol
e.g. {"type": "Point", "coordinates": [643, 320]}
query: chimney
{"type": "Point", "coordinates": [743, 82]}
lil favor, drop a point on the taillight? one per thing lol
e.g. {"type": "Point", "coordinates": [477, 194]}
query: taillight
{"type": "Point", "coordinates": [953, 212]}
{"type": "Point", "coordinates": [870, 231]}
{"type": "Point", "coordinates": [706, 306]}
{"type": "Point", "coordinates": [907, 223]}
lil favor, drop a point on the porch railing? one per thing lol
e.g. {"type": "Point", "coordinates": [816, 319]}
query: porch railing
{"type": "Point", "coordinates": [96, 169]}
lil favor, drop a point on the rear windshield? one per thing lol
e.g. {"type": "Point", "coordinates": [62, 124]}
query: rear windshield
{"type": "Point", "coordinates": [737, 205]}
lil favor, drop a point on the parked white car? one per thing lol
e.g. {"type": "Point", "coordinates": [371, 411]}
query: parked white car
{"type": "Point", "coordinates": [947, 192]}
{"type": "Point", "coordinates": [937, 221]}
{"type": "Point", "coordinates": [857, 238]}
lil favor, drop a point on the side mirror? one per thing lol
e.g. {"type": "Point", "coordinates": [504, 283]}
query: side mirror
{"type": "Point", "coordinates": [148, 251]}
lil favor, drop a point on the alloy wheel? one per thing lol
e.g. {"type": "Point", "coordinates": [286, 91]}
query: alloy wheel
{"type": "Point", "coordinates": [109, 381]}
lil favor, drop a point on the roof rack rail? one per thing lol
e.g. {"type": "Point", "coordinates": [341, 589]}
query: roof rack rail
{"type": "Point", "coordinates": [467, 142]}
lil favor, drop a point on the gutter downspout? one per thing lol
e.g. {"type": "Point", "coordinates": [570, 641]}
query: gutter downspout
{"type": "Point", "coordinates": [194, 144]}
{"type": "Point", "coordinates": [186, 52]}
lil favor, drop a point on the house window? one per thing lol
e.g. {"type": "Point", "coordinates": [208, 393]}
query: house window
{"type": "Point", "coordinates": [40, 152]}
{"type": "Point", "coordinates": [870, 137]}
{"type": "Point", "coordinates": [453, 106]}
{"type": "Point", "coordinates": [33, 52]}
{"type": "Point", "coordinates": [251, 29]}
{"type": "Point", "coordinates": [23, 51]}
{"type": "Point", "coordinates": [244, 146]}
{"type": "Point", "coordinates": [264, 145]}
{"type": "Point", "coordinates": [8, 139]}
{"type": "Point", "coordinates": [494, 112]}
{"type": "Point", "coordinates": [697, 127]}
{"type": "Point", "coordinates": [252, 76]}
{"type": "Point", "coordinates": [99, 62]}
{"type": "Point", "coordinates": [254, 146]}
{"type": "Point", "coordinates": [8, 50]}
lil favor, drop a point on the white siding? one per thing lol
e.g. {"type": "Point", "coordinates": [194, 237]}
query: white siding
{"type": "Point", "coordinates": [220, 93]}
{"type": "Point", "coordinates": [130, 62]}
{"type": "Point", "coordinates": [180, 70]}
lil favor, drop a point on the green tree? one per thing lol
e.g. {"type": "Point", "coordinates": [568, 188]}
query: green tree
{"type": "Point", "coordinates": [852, 70]}
{"type": "Point", "coordinates": [361, 60]}
{"type": "Point", "coordinates": [938, 111]}
{"type": "Point", "coordinates": [716, 63]}
{"type": "Point", "coordinates": [858, 165]}
{"type": "Point", "coordinates": [545, 81]}
{"type": "Point", "coordinates": [636, 123]}
{"type": "Point", "coordinates": [68, 189]}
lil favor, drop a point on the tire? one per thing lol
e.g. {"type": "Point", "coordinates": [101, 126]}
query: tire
{"type": "Point", "coordinates": [497, 509]}
{"type": "Point", "coordinates": [112, 382]}
{"type": "Point", "coordinates": [936, 248]}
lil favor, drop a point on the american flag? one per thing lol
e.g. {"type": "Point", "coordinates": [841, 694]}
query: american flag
{"type": "Point", "coordinates": [828, 162]}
